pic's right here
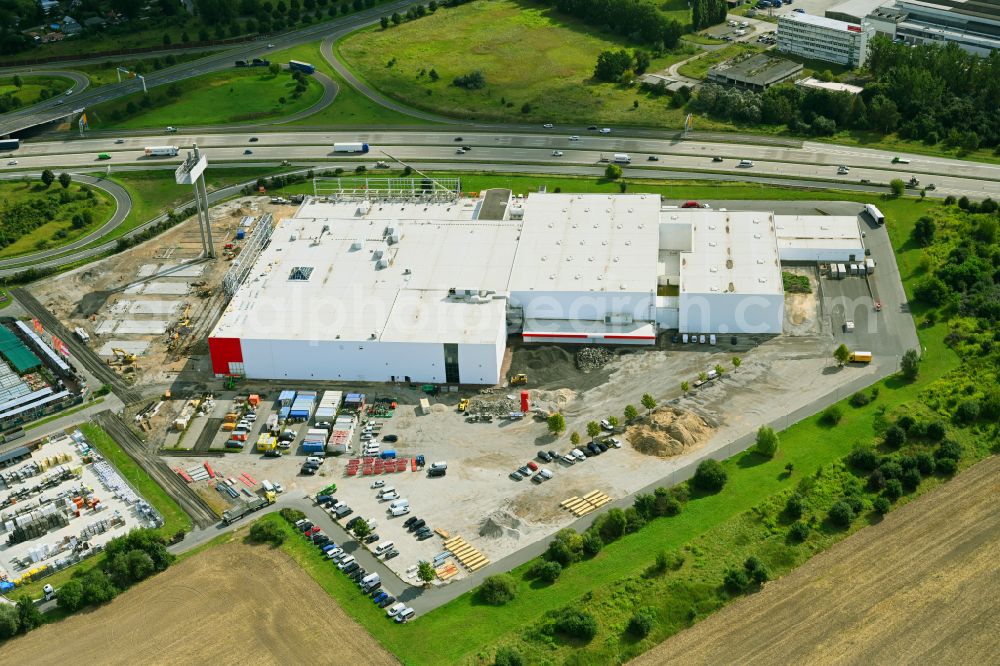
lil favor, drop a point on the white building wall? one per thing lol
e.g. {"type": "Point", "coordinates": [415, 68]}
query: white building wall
{"type": "Point", "coordinates": [480, 364]}
{"type": "Point", "coordinates": [819, 255]}
{"type": "Point", "coordinates": [584, 305]}
{"type": "Point", "coordinates": [731, 313]}
{"type": "Point", "coordinates": [341, 360]}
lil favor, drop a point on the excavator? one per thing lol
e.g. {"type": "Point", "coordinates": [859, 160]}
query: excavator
{"type": "Point", "coordinates": [517, 380]}
{"type": "Point", "coordinates": [123, 357]}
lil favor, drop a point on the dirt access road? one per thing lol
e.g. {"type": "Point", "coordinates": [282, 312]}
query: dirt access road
{"type": "Point", "coordinates": [921, 587]}
{"type": "Point", "coordinates": [232, 604]}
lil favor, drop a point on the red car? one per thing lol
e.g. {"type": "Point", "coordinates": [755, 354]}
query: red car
{"type": "Point", "coordinates": [691, 204]}
{"type": "Point", "coordinates": [532, 465]}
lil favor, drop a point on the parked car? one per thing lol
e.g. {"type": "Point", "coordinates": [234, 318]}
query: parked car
{"type": "Point", "coordinates": [305, 526]}
{"type": "Point", "coordinates": [405, 615]}
{"type": "Point", "coordinates": [420, 522]}
{"type": "Point", "coordinates": [387, 601]}
{"type": "Point", "coordinates": [569, 458]}
{"type": "Point", "coordinates": [515, 475]}
{"type": "Point", "coordinates": [395, 609]}
{"type": "Point", "coordinates": [524, 470]}
{"type": "Point", "coordinates": [544, 457]}
{"type": "Point", "coordinates": [578, 454]}
{"type": "Point", "coordinates": [377, 484]}
{"type": "Point", "coordinates": [532, 465]}
{"type": "Point", "coordinates": [391, 554]}
{"type": "Point", "coordinates": [602, 446]}
{"type": "Point", "coordinates": [409, 521]}
{"type": "Point", "coordinates": [371, 538]}
{"type": "Point", "coordinates": [382, 594]}
{"type": "Point", "coordinates": [333, 553]}
{"type": "Point", "coordinates": [591, 449]}
{"type": "Point", "coordinates": [423, 536]}
{"type": "Point", "coordinates": [613, 441]}
{"type": "Point", "coordinates": [391, 439]}
{"type": "Point", "coordinates": [389, 496]}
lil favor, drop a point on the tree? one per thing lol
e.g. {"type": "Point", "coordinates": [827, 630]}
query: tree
{"type": "Point", "coordinates": [506, 656]}
{"type": "Point", "coordinates": [642, 622]}
{"type": "Point", "coordinates": [48, 177]}
{"type": "Point", "coordinates": [685, 387]}
{"type": "Point", "coordinates": [842, 354]}
{"type": "Point", "coordinates": [9, 621]}
{"type": "Point", "coordinates": [799, 531]}
{"type": "Point", "coordinates": [384, 22]}
{"type": "Point", "coordinates": [611, 65]}
{"type": "Point", "coordinates": [649, 402]}
{"type": "Point", "coordinates": [831, 415]}
{"type": "Point", "coordinates": [426, 572]}
{"type": "Point", "coordinates": [166, 39]}
{"type": "Point", "coordinates": [737, 361]}
{"type": "Point", "coordinates": [613, 172]}
{"type": "Point", "coordinates": [576, 623]}
{"type": "Point", "coordinates": [719, 370]}
{"type": "Point", "coordinates": [767, 442]}
{"type": "Point", "coordinates": [709, 476]}
{"type": "Point", "coordinates": [897, 186]}
{"type": "Point", "coordinates": [557, 424]}
{"type": "Point", "coordinates": [631, 413]}
{"type": "Point", "coordinates": [574, 438]}
{"type": "Point", "coordinates": [881, 505]}
{"type": "Point", "coordinates": [841, 514]}
{"type": "Point", "coordinates": [433, 74]}
{"type": "Point", "coordinates": [910, 364]}
{"type": "Point", "coordinates": [613, 421]}
{"type": "Point", "coordinates": [263, 532]}
{"type": "Point", "coordinates": [498, 590]}
{"type": "Point", "coordinates": [396, 18]}
{"type": "Point", "coordinates": [883, 114]}
{"type": "Point", "coordinates": [274, 69]}
{"type": "Point", "coordinates": [615, 525]}
{"type": "Point", "coordinates": [593, 429]}
{"type": "Point", "coordinates": [17, 81]}
{"type": "Point", "coordinates": [923, 231]}
{"type": "Point", "coordinates": [548, 571]}
{"type": "Point", "coordinates": [592, 543]}
{"type": "Point", "coordinates": [65, 179]}
{"type": "Point", "coordinates": [794, 506]}
{"type": "Point", "coordinates": [361, 529]}
{"type": "Point", "coordinates": [735, 581]}
{"type": "Point", "coordinates": [28, 614]}
{"type": "Point", "coordinates": [70, 595]}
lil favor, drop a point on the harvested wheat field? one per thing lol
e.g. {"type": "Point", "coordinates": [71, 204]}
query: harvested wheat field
{"type": "Point", "coordinates": [919, 588]}
{"type": "Point", "coordinates": [232, 604]}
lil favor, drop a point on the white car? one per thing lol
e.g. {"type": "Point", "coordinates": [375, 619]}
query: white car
{"type": "Point", "coordinates": [404, 615]}
{"type": "Point", "coordinates": [605, 130]}
{"type": "Point", "coordinates": [378, 484]}
{"type": "Point", "coordinates": [119, 140]}
{"type": "Point", "coordinates": [171, 129]}
{"type": "Point", "coordinates": [574, 138]}
{"type": "Point", "coordinates": [278, 488]}
{"type": "Point", "coordinates": [578, 454]}
{"type": "Point", "coordinates": [395, 608]}
{"type": "Point", "coordinates": [315, 459]}
{"type": "Point", "coordinates": [548, 125]}
{"type": "Point", "coordinates": [613, 441]}
{"type": "Point", "coordinates": [69, 92]}
{"type": "Point", "coordinates": [270, 46]}
{"type": "Point", "coordinates": [334, 552]}
{"type": "Point", "coordinates": [12, 163]}
{"type": "Point", "coordinates": [388, 497]}
{"type": "Point", "coordinates": [569, 458]}
{"type": "Point", "coordinates": [460, 151]}
{"type": "Point", "coordinates": [606, 424]}
{"type": "Point", "coordinates": [557, 153]}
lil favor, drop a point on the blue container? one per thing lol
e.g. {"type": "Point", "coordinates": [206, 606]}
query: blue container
{"type": "Point", "coordinates": [312, 447]}
{"type": "Point", "coordinates": [386, 455]}
{"type": "Point", "coordinates": [240, 234]}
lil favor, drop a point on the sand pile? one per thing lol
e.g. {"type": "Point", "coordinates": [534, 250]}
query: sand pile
{"type": "Point", "coordinates": [552, 401]}
{"type": "Point", "coordinates": [668, 432]}
{"type": "Point", "coordinates": [500, 524]}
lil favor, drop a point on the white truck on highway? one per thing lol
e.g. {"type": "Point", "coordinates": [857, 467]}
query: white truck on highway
{"type": "Point", "coordinates": [161, 151]}
{"type": "Point", "coordinates": [350, 147]}
{"type": "Point", "coordinates": [622, 158]}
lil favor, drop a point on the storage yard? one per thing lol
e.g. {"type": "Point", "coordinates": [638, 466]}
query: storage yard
{"type": "Point", "coordinates": [229, 604]}
{"type": "Point", "coordinates": [61, 504]}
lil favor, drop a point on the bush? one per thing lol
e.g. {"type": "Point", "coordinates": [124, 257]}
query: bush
{"type": "Point", "coordinates": [498, 590]}
{"type": "Point", "coordinates": [767, 442]}
{"type": "Point", "coordinates": [799, 531]}
{"type": "Point", "coordinates": [266, 532]}
{"type": "Point", "coordinates": [474, 80]}
{"type": "Point", "coordinates": [967, 411]}
{"type": "Point", "coordinates": [508, 656]}
{"type": "Point", "coordinates": [592, 543]}
{"type": "Point", "coordinates": [70, 596]}
{"type": "Point", "coordinates": [576, 623]}
{"type": "Point", "coordinates": [947, 466]}
{"type": "Point", "coordinates": [735, 581]}
{"type": "Point", "coordinates": [910, 364]}
{"type": "Point", "coordinates": [863, 458]}
{"type": "Point", "coordinates": [859, 399]}
{"type": "Point", "coordinates": [831, 415]}
{"type": "Point", "coordinates": [547, 571]}
{"type": "Point", "coordinates": [292, 515]}
{"type": "Point", "coordinates": [911, 479]}
{"type": "Point", "coordinates": [890, 469]}
{"type": "Point", "coordinates": [948, 449]}
{"type": "Point", "coordinates": [642, 622]}
{"type": "Point", "coordinates": [841, 514]}
{"type": "Point", "coordinates": [794, 507]}
{"type": "Point", "coordinates": [936, 430]}
{"type": "Point", "coordinates": [893, 490]}
{"type": "Point", "coordinates": [895, 437]}
{"type": "Point", "coordinates": [925, 463]}
{"type": "Point", "coordinates": [881, 505]}
{"type": "Point", "coordinates": [710, 476]}
{"type": "Point", "coordinates": [97, 588]}
{"type": "Point", "coordinates": [755, 570]}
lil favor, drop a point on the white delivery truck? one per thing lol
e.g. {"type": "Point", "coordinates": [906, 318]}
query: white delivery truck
{"type": "Point", "coordinates": [350, 147]}
{"type": "Point", "coordinates": [622, 158]}
{"type": "Point", "coordinates": [161, 151]}
{"type": "Point", "coordinates": [875, 214]}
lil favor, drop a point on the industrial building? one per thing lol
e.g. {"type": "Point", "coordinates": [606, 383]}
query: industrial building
{"type": "Point", "coordinates": [974, 25]}
{"type": "Point", "coordinates": [822, 38]}
{"type": "Point", "coordinates": [758, 72]}
{"type": "Point", "coordinates": [369, 286]}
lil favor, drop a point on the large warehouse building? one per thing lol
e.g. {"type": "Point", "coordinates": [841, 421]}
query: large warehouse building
{"type": "Point", "coordinates": [389, 287]}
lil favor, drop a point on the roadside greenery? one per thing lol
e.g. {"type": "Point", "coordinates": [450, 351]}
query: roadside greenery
{"type": "Point", "coordinates": [39, 214]}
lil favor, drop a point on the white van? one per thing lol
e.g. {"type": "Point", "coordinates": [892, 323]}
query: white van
{"type": "Point", "coordinates": [385, 491]}
{"type": "Point", "coordinates": [345, 562]}
{"type": "Point", "coordinates": [441, 464]}
{"type": "Point", "coordinates": [404, 615]}
{"type": "Point", "coordinates": [384, 547]}
{"type": "Point", "coordinates": [622, 158]}
{"type": "Point", "coordinates": [369, 579]}
{"type": "Point", "coordinates": [745, 163]}
{"type": "Point", "coordinates": [267, 485]}
{"type": "Point", "coordinates": [399, 503]}
{"type": "Point", "coordinates": [399, 511]}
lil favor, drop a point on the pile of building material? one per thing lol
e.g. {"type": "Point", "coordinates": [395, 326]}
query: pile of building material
{"type": "Point", "coordinates": [668, 432]}
{"type": "Point", "coordinates": [492, 405]}
{"type": "Point", "coordinates": [581, 506]}
{"type": "Point", "coordinates": [593, 358]}
{"type": "Point", "coordinates": [468, 555]}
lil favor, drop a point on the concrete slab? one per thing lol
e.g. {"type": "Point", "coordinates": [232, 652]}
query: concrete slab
{"type": "Point", "coordinates": [147, 269]}
{"type": "Point", "coordinates": [119, 307]}
{"type": "Point", "coordinates": [167, 288]}
{"type": "Point", "coordinates": [148, 327]}
{"type": "Point", "coordinates": [131, 346]}
{"type": "Point", "coordinates": [106, 327]}
{"type": "Point", "coordinates": [136, 288]}
{"type": "Point", "coordinates": [181, 270]}
{"type": "Point", "coordinates": [154, 307]}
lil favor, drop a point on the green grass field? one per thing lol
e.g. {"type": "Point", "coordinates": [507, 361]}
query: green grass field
{"type": "Point", "coordinates": [59, 230]}
{"type": "Point", "coordinates": [229, 97]}
{"type": "Point", "coordinates": [32, 87]}
{"type": "Point", "coordinates": [528, 54]}
{"type": "Point", "coordinates": [107, 73]}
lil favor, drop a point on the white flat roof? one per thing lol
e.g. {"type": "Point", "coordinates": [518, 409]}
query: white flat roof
{"type": "Point", "coordinates": [819, 21]}
{"type": "Point", "coordinates": [810, 82]}
{"type": "Point", "coordinates": [588, 242]}
{"type": "Point", "coordinates": [347, 295]}
{"type": "Point", "coordinates": [818, 231]}
{"type": "Point", "coordinates": [732, 252]}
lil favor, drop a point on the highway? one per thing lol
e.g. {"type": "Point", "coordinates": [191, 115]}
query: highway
{"type": "Point", "coordinates": [811, 161]}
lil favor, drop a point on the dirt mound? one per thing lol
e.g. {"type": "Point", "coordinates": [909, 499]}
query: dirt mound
{"type": "Point", "coordinates": [552, 401]}
{"type": "Point", "coordinates": [500, 524]}
{"type": "Point", "coordinates": [592, 358]}
{"type": "Point", "coordinates": [668, 432]}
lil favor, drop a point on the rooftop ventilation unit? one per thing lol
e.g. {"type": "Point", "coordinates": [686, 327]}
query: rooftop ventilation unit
{"type": "Point", "coordinates": [357, 244]}
{"type": "Point", "coordinates": [382, 263]}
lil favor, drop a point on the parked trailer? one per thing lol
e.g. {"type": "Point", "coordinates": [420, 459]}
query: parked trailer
{"type": "Point", "coordinates": [841, 271]}
{"type": "Point", "coordinates": [301, 66]}
{"type": "Point", "coordinates": [869, 265]}
{"type": "Point", "coordinates": [230, 516]}
{"type": "Point", "coordinates": [161, 151]}
{"type": "Point", "coordinates": [350, 147]}
{"type": "Point", "coordinates": [875, 213]}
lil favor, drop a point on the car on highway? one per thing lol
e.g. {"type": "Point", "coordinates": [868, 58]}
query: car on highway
{"type": "Point", "coordinates": [745, 164]}
{"type": "Point", "coordinates": [248, 152]}
{"type": "Point", "coordinates": [592, 128]}
{"type": "Point", "coordinates": [270, 46]}
{"type": "Point", "coordinates": [460, 151]}
{"type": "Point", "coordinates": [690, 204]}
{"type": "Point", "coordinates": [69, 92]}
{"type": "Point", "coordinates": [605, 130]}
{"type": "Point", "coordinates": [574, 138]}
{"type": "Point", "coordinates": [557, 153]}
{"type": "Point", "coordinates": [653, 158]}
{"type": "Point", "coordinates": [716, 159]}
{"type": "Point", "coordinates": [12, 163]}
{"type": "Point", "coordinates": [171, 129]}
{"type": "Point", "coordinates": [254, 139]}
{"type": "Point", "coordinates": [119, 140]}
{"type": "Point", "coordinates": [458, 138]}
{"type": "Point", "coordinates": [548, 125]}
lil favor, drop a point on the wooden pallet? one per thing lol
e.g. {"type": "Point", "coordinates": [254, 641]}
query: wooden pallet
{"type": "Point", "coordinates": [581, 506]}
{"type": "Point", "coordinates": [467, 554]}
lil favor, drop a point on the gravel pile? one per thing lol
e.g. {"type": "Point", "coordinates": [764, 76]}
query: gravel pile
{"type": "Point", "coordinates": [593, 358]}
{"type": "Point", "coordinates": [492, 406]}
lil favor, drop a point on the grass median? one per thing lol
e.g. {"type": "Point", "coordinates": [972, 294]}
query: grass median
{"type": "Point", "coordinates": [36, 217]}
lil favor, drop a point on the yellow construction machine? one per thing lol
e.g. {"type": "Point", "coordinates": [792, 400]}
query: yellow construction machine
{"type": "Point", "coordinates": [517, 380]}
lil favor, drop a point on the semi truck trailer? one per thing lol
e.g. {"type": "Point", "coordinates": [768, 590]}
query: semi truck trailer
{"type": "Point", "coordinates": [161, 151]}
{"type": "Point", "coordinates": [230, 516]}
{"type": "Point", "coordinates": [350, 147]}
